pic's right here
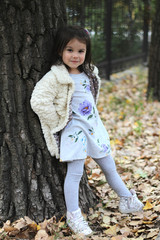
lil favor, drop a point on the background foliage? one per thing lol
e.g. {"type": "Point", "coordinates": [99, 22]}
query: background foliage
{"type": "Point", "coordinates": [127, 25]}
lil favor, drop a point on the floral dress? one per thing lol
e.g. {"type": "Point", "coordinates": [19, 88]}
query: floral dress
{"type": "Point", "coordinates": [85, 135]}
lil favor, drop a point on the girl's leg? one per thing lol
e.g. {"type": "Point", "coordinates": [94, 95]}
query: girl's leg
{"type": "Point", "coordinates": [74, 216]}
{"type": "Point", "coordinates": [71, 184]}
{"type": "Point", "coordinates": [129, 202]}
{"type": "Point", "coordinates": [108, 167]}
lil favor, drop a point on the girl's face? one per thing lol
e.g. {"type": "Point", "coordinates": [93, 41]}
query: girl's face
{"type": "Point", "coordinates": [74, 55]}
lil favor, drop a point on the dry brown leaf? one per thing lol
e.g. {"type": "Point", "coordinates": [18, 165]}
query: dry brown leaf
{"type": "Point", "coordinates": [28, 220]}
{"type": "Point", "coordinates": [112, 230]}
{"type": "Point", "coordinates": [118, 237]}
{"type": "Point", "coordinates": [10, 230]}
{"type": "Point", "coordinates": [153, 232]}
{"type": "Point", "coordinates": [106, 220]}
{"type": "Point", "coordinates": [41, 235]}
{"type": "Point", "coordinates": [135, 223]}
{"type": "Point", "coordinates": [148, 206]}
{"type": "Point", "coordinates": [20, 224]}
{"type": "Point", "coordinates": [125, 230]}
{"type": "Point", "coordinates": [32, 227]}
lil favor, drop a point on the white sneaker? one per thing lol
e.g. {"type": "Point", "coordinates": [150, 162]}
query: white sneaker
{"type": "Point", "coordinates": [77, 223]}
{"type": "Point", "coordinates": [130, 204]}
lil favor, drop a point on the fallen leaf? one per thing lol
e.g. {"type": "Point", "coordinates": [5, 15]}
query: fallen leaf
{"type": "Point", "coordinates": [148, 206]}
{"type": "Point", "coordinates": [125, 230]}
{"type": "Point", "coordinates": [41, 235]}
{"type": "Point", "coordinates": [153, 232]}
{"type": "Point", "coordinates": [106, 220]}
{"type": "Point", "coordinates": [117, 238]}
{"type": "Point", "coordinates": [135, 223]}
{"type": "Point", "coordinates": [112, 230]}
{"type": "Point", "coordinates": [20, 224]}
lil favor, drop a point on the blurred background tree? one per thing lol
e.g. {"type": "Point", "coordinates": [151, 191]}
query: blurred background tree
{"type": "Point", "coordinates": [119, 30]}
{"type": "Point", "coordinates": [154, 57]}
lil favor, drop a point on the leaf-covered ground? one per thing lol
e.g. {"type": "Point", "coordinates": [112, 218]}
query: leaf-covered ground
{"type": "Point", "coordinates": [134, 128]}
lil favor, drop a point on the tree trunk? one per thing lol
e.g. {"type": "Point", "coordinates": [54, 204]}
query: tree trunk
{"type": "Point", "coordinates": [31, 181]}
{"type": "Point", "coordinates": [154, 58]}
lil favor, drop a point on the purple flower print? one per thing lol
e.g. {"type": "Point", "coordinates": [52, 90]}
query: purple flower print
{"type": "Point", "coordinates": [105, 147]}
{"type": "Point", "coordinates": [88, 88]}
{"type": "Point", "coordinates": [85, 108]}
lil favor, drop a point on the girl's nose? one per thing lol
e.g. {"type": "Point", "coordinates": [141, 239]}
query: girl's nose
{"type": "Point", "coordinates": [75, 55]}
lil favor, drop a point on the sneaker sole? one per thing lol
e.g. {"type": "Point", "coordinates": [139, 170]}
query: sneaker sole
{"type": "Point", "coordinates": [138, 210]}
{"type": "Point", "coordinates": [87, 235]}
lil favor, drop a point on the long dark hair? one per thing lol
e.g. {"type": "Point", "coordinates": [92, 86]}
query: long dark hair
{"type": "Point", "coordinates": [66, 34]}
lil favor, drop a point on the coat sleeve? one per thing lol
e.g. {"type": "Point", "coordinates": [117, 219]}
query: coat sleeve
{"type": "Point", "coordinates": [42, 100]}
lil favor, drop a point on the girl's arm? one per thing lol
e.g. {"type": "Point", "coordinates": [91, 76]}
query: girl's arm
{"type": "Point", "coordinates": [42, 100]}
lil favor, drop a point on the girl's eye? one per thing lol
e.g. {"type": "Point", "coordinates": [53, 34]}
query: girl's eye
{"type": "Point", "coordinates": [69, 50]}
{"type": "Point", "coordinates": [81, 51]}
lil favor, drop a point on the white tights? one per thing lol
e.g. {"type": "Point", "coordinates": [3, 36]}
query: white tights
{"type": "Point", "coordinates": [75, 172]}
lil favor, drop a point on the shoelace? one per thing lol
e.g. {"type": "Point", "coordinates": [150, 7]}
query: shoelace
{"type": "Point", "coordinates": [130, 201]}
{"type": "Point", "coordinates": [81, 223]}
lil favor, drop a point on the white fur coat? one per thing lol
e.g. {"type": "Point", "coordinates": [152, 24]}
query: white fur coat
{"type": "Point", "coordinates": [51, 100]}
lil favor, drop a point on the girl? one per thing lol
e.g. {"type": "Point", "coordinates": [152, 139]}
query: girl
{"type": "Point", "coordinates": [65, 101]}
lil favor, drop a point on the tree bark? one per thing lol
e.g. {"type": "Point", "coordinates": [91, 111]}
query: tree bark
{"type": "Point", "coordinates": [154, 58]}
{"type": "Point", "coordinates": [31, 181]}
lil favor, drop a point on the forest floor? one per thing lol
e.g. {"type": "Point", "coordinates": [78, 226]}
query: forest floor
{"type": "Point", "coordinates": [133, 124]}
